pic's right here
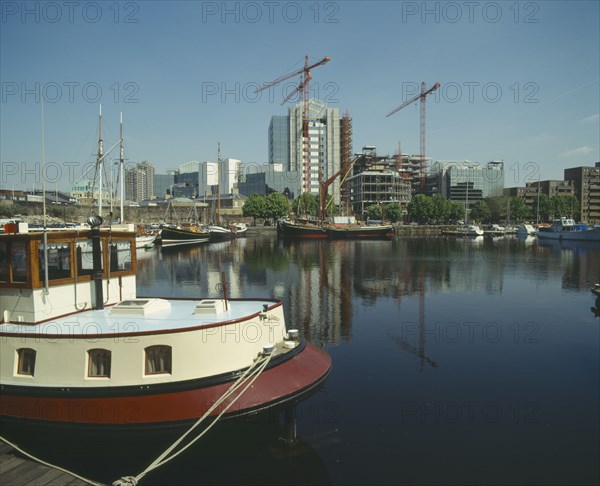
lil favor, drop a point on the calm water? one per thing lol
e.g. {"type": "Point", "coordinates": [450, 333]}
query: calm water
{"type": "Point", "coordinates": [455, 361]}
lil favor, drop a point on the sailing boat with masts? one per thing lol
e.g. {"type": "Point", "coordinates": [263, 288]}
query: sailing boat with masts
{"type": "Point", "coordinates": [217, 231]}
{"type": "Point", "coordinates": [141, 239]}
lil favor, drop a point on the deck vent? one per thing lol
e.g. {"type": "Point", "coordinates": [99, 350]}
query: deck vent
{"type": "Point", "coordinates": [210, 306]}
{"type": "Point", "coordinates": [139, 307]}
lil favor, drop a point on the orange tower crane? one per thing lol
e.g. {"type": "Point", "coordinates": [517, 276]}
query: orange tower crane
{"type": "Point", "coordinates": [303, 87]}
{"type": "Point", "coordinates": [421, 96]}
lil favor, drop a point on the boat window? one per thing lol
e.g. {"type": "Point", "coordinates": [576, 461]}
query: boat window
{"type": "Point", "coordinates": [3, 262]}
{"type": "Point", "coordinates": [85, 262]}
{"type": "Point", "coordinates": [26, 361]}
{"type": "Point", "coordinates": [59, 260]}
{"type": "Point", "coordinates": [120, 255]}
{"type": "Point", "coordinates": [18, 262]}
{"type": "Point", "coordinates": [99, 363]}
{"type": "Point", "coordinates": [158, 360]}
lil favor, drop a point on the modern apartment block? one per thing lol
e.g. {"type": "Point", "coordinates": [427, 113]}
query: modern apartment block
{"type": "Point", "coordinates": [139, 182]}
{"type": "Point", "coordinates": [317, 157]}
{"type": "Point", "coordinates": [550, 188]}
{"type": "Point", "coordinates": [586, 187]}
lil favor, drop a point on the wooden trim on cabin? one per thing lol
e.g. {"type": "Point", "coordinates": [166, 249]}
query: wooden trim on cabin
{"type": "Point", "coordinates": [32, 241]}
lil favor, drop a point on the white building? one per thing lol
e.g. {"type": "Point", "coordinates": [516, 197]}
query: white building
{"type": "Point", "coordinates": [189, 167]}
{"type": "Point", "coordinates": [324, 145]}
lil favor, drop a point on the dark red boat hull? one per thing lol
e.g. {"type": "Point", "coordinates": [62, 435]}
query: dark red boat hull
{"type": "Point", "coordinates": [281, 383]}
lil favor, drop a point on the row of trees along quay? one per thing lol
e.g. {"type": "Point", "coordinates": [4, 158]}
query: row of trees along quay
{"type": "Point", "coordinates": [437, 208]}
{"type": "Point", "coordinates": [423, 209]}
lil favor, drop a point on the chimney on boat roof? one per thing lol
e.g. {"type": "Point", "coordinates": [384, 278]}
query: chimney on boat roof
{"type": "Point", "coordinates": [95, 222]}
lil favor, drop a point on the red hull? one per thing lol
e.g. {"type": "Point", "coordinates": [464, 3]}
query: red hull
{"type": "Point", "coordinates": [275, 385]}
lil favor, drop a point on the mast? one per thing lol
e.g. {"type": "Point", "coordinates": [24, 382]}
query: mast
{"type": "Point", "coordinates": [219, 185]}
{"type": "Point", "coordinates": [537, 214]}
{"type": "Point", "coordinates": [46, 284]}
{"type": "Point", "coordinates": [467, 198]}
{"type": "Point", "coordinates": [121, 160]}
{"type": "Point", "coordinates": [99, 162]}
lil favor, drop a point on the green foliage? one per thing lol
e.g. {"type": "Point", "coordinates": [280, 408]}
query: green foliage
{"type": "Point", "coordinates": [420, 208]}
{"type": "Point", "coordinates": [306, 203]}
{"type": "Point", "coordinates": [277, 206]}
{"type": "Point", "coordinates": [498, 207]}
{"type": "Point", "coordinates": [440, 208]}
{"type": "Point", "coordinates": [374, 212]}
{"type": "Point", "coordinates": [255, 206]}
{"type": "Point", "coordinates": [393, 212]}
{"type": "Point", "coordinates": [481, 212]}
{"type": "Point", "coordinates": [519, 211]}
{"type": "Point", "coordinates": [456, 212]}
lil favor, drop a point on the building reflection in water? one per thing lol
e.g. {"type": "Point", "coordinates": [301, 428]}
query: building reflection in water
{"type": "Point", "coordinates": [322, 281]}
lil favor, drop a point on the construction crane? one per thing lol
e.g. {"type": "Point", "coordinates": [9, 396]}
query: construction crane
{"type": "Point", "coordinates": [421, 96]}
{"type": "Point", "coordinates": [303, 87]}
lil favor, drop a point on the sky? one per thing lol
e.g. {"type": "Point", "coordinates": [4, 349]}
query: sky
{"type": "Point", "coordinates": [519, 81]}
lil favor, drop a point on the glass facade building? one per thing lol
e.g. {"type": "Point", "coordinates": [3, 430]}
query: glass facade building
{"type": "Point", "coordinates": [466, 181]}
{"type": "Point", "coordinates": [279, 141]}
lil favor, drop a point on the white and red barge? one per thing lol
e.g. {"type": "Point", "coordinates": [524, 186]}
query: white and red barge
{"type": "Point", "coordinates": [81, 349]}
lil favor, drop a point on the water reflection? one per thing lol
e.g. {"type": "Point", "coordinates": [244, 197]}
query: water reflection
{"type": "Point", "coordinates": [452, 357]}
{"type": "Point", "coordinates": [321, 282]}
{"type": "Point", "coordinates": [260, 449]}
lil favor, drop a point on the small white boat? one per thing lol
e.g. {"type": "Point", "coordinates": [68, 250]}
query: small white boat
{"type": "Point", "coordinates": [525, 230]}
{"type": "Point", "coordinates": [474, 230]}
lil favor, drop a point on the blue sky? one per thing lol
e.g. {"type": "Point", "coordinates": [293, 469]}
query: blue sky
{"type": "Point", "coordinates": [520, 81]}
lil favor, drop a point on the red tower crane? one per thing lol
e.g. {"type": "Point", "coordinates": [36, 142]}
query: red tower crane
{"type": "Point", "coordinates": [421, 96]}
{"type": "Point", "coordinates": [303, 87]}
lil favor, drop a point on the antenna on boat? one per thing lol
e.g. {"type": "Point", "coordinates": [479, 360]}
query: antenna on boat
{"type": "Point", "coordinates": [99, 161]}
{"type": "Point", "coordinates": [46, 285]}
{"type": "Point", "coordinates": [121, 160]}
{"type": "Point", "coordinates": [218, 182]}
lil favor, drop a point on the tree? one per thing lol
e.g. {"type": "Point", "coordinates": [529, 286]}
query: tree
{"type": "Point", "coordinates": [277, 206]}
{"type": "Point", "coordinates": [420, 208]}
{"type": "Point", "coordinates": [456, 211]}
{"type": "Point", "coordinates": [481, 212]}
{"type": "Point", "coordinates": [519, 210]}
{"type": "Point", "coordinates": [306, 203]}
{"type": "Point", "coordinates": [374, 212]}
{"type": "Point", "coordinates": [565, 206]}
{"type": "Point", "coordinates": [440, 207]}
{"type": "Point", "coordinates": [255, 206]}
{"type": "Point", "coordinates": [393, 212]}
{"type": "Point", "coordinates": [498, 206]}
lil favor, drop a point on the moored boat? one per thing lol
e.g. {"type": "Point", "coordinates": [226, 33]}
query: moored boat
{"type": "Point", "coordinates": [78, 348]}
{"type": "Point", "coordinates": [525, 230]}
{"type": "Point", "coordinates": [567, 229]}
{"type": "Point", "coordinates": [293, 229]}
{"type": "Point", "coordinates": [219, 233]}
{"type": "Point", "coordinates": [360, 231]}
{"type": "Point", "coordinates": [473, 230]}
{"type": "Point", "coordinates": [191, 235]}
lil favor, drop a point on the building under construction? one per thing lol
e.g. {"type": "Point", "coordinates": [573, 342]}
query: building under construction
{"type": "Point", "coordinates": [377, 180]}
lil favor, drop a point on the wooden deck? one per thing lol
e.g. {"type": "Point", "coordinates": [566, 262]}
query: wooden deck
{"type": "Point", "coordinates": [18, 470]}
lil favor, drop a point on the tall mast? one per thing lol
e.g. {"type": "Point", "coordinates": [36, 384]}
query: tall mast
{"type": "Point", "coordinates": [537, 215]}
{"type": "Point", "coordinates": [467, 198]}
{"type": "Point", "coordinates": [219, 183]}
{"type": "Point", "coordinates": [121, 160]}
{"type": "Point", "coordinates": [99, 162]}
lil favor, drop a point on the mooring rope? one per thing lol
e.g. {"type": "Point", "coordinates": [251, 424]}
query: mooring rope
{"type": "Point", "coordinates": [249, 376]}
{"type": "Point", "coordinates": [245, 380]}
{"type": "Point", "coordinates": [37, 459]}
